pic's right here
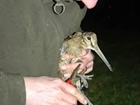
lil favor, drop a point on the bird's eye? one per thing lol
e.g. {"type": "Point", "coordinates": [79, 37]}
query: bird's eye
{"type": "Point", "coordinates": [89, 38]}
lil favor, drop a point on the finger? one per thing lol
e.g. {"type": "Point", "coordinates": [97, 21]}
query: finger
{"type": "Point", "coordinates": [88, 55]}
{"type": "Point", "coordinates": [68, 98]}
{"type": "Point", "coordinates": [89, 67]}
{"type": "Point", "coordinates": [69, 69]}
{"type": "Point", "coordinates": [86, 63]}
{"type": "Point", "coordinates": [85, 52]}
{"type": "Point", "coordinates": [73, 91]}
{"type": "Point", "coordinates": [64, 95]}
{"type": "Point", "coordinates": [71, 66]}
{"type": "Point", "coordinates": [66, 103]}
{"type": "Point", "coordinates": [62, 101]}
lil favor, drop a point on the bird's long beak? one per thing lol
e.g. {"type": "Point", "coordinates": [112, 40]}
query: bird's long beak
{"type": "Point", "coordinates": [101, 55]}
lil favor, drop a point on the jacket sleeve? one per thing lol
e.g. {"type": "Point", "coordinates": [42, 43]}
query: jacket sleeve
{"type": "Point", "coordinates": [12, 91]}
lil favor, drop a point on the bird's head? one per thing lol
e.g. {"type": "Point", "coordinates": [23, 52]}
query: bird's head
{"type": "Point", "coordinates": [90, 42]}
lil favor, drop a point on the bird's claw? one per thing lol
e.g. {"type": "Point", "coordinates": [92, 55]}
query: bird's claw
{"type": "Point", "coordinates": [88, 77]}
{"type": "Point", "coordinates": [84, 79]}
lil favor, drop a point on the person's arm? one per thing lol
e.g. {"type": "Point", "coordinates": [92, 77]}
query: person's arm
{"type": "Point", "coordinates": [39, 90]}
{"type": "Point", "coordinates": [45, 90]}
{"type": "Point", "coordinates": [12, 89]}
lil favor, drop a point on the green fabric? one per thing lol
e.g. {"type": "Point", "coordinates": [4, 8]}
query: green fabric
{"type": "Point", "coordinates": [11, 89]}
{"type": "Point", "coordinates": [31, 35]}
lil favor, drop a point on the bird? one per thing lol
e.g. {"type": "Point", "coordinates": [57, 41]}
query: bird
{"type": "Point", "coordinates": [74, 45]}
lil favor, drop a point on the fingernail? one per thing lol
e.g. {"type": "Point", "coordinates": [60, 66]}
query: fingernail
{"type": "Point", "coordinates": [63, 67]}
{"type": "Point", "coordinates": [67, 75]}
{"type": "Point", "coordinates": [85, 102]}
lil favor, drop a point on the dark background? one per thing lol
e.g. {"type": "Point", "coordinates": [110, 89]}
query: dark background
{"type": "Point", "coordinates": [115, 14]}
{"type": "Point", "coordinates": [117, 25]}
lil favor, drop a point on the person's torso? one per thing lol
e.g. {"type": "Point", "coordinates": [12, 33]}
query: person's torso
{"type": "Point", "coordinates": [31, 35]}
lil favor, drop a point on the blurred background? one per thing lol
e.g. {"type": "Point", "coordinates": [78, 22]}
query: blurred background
{"type": "Point", "coordinates": [117, 25]}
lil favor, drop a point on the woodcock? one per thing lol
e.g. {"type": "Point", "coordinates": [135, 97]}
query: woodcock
{"type": "Point", "coordinates": [74, 45]}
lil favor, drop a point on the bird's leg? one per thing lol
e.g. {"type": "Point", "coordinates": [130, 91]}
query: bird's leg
{"type": "Point", "coordinates": [80, 90]}
{"type": "Point", "coordinates": [84, 78]}
{"type": "Point", "coordinates": [88, 101]}
{"type": "Point", "coordinates": [83, 83]}
{"type": "Point", "coordinates": [79, 81]}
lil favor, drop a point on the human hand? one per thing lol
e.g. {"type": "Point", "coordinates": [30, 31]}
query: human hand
{"type": "Point", "coordinates": [90, 3]}
{"type": "Point", "coordinates": [87, 62]}
{"type": "Point", "coordinates": [51, 91]}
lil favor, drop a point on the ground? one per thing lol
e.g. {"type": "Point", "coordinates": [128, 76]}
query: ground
{"type": "Point", "coordinates": [121, 47]}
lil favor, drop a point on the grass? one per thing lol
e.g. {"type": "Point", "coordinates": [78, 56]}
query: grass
{"type": "Point", "coordinates": [122, 86]}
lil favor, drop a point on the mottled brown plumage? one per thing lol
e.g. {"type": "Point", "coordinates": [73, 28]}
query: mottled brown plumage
{"type": "Point", "coordinates": [74, 45]}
